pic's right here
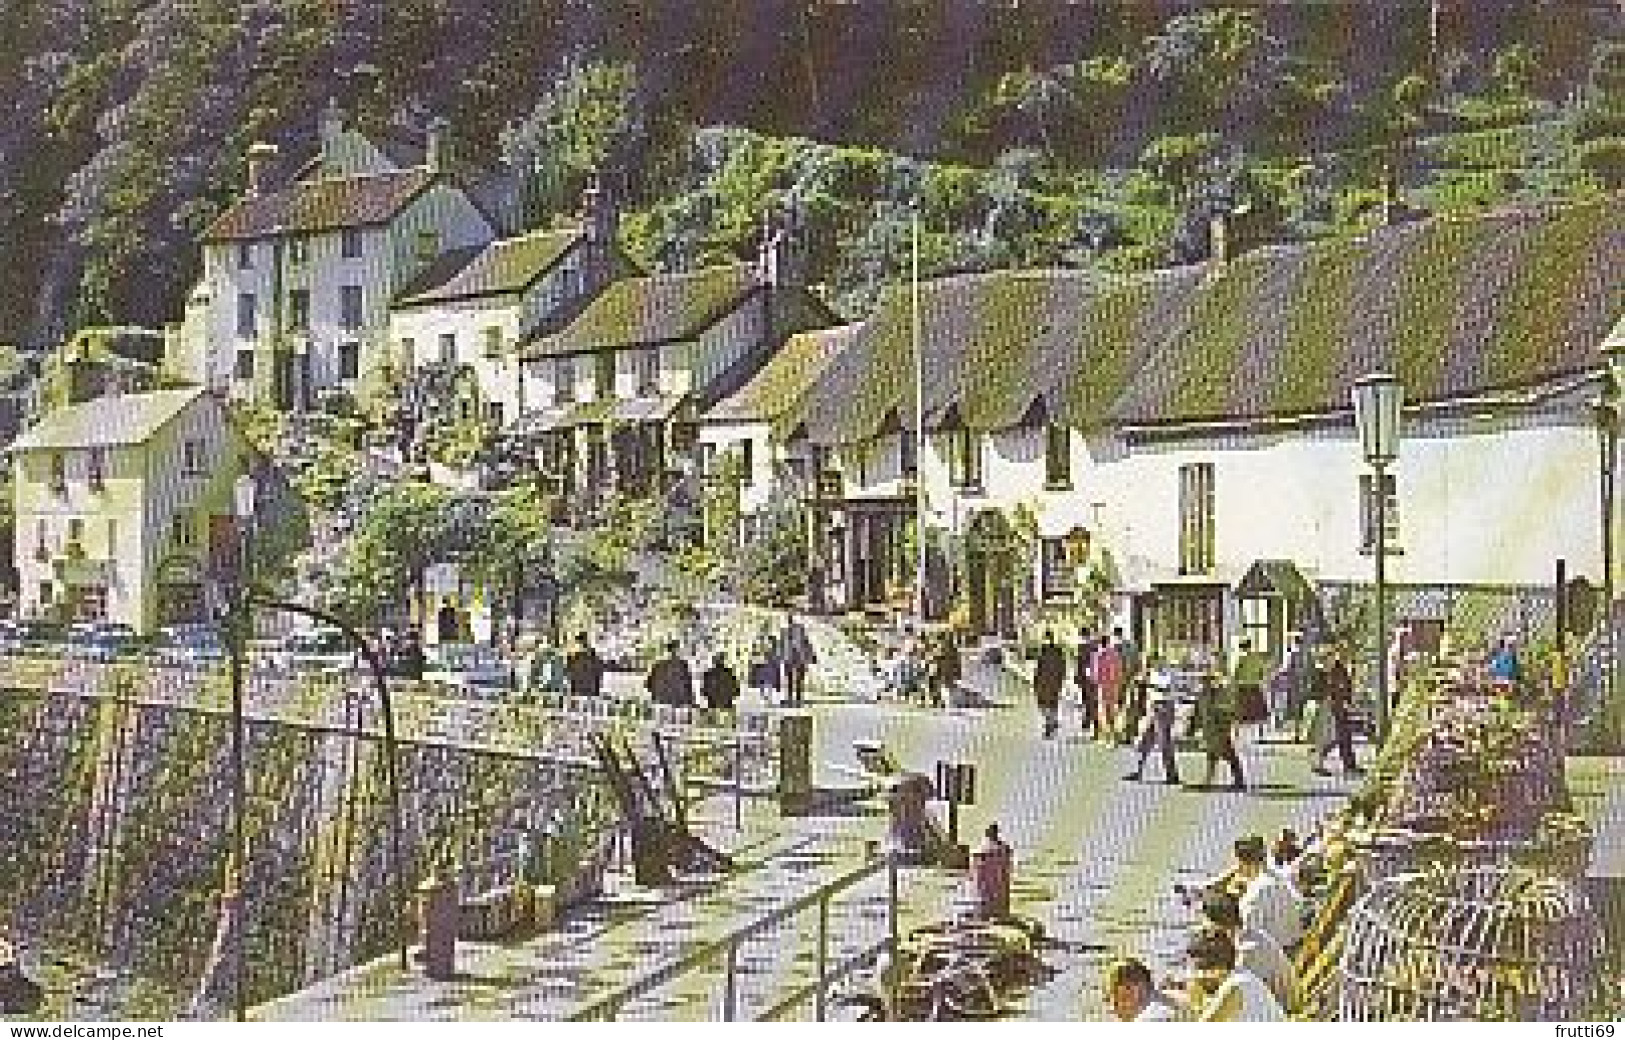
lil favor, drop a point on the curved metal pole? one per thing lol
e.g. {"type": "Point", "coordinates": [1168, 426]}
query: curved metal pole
{"type": "Point", "coordinates": [391, 752]}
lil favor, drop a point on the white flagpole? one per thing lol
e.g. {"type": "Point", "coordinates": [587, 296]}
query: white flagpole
{"type": "Point", "coordinates": [916, 334]}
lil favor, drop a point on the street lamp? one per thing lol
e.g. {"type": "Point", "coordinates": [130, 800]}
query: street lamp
{"type": "Point", "coordinates": [244, 493]}
{"type": "Point", "coordinates": [1377, 401]}
{"type": "Point", "coordinates": [1607, 414]}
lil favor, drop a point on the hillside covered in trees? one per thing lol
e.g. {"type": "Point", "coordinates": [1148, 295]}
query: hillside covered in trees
{"type": "Point", "coordinates": [1023, 132]}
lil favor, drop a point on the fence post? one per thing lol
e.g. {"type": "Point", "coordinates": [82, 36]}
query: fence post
{"type": "Point", "coordinates": [730, 993]}
{"type": "Point", "coordinates": [821, 1002]}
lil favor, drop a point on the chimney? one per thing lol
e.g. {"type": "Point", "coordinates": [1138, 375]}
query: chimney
{"type": "Point", "coordinates": [329, 127]}
{"type": "Point", "coordinates": [1392, 208]}
{"type": "Point", "coordinates": [437, 151]}
{"type": "Point", "coordinates": [598, 214]}
{"type": "Point", "coordinates": [260, 155]}
{"type": "Point", "coordinates": [1218, 236]}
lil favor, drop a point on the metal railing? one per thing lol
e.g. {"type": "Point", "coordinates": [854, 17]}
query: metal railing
{"type": "Point", "coordinates": [725, 951]}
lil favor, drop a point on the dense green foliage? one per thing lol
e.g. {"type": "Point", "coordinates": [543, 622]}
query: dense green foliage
{"type": "Point", "coordinates": [1023, 133]}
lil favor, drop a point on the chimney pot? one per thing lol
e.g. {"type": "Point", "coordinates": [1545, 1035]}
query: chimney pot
{"type": "Point", "coordinates": [437, 150]}
{"type": "Point", "coordinates": [330, 126]}
{"type": "Point", "coordinates": [260, 155]}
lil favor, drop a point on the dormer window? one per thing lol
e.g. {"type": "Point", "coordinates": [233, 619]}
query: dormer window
{"type": "Point", "coordinates": [192, 460]}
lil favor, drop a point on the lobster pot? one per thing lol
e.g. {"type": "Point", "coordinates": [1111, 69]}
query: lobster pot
{"type": "Point", "coordinates": [1473, 944]}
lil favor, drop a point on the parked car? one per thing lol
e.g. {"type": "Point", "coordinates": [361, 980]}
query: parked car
{"type": "Point", "coordinates": [104, 641]}
{"type": "Point", "coordinates": [190, 645]}
{"type": "Point", "coordinates": [319, 650]}
{"type": "Point", "coordinates": [484, 682]}
{"type": "Point", "coordinates": [32, 636]}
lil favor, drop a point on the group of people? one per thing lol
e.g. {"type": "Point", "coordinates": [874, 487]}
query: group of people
{"type": "Point", "coordinates": [1240, 956]}
{"type": "Point", "coordinates": [925, 669]}
{"type": "Point", "coordinates": [1121, 702]}
{"type": "Point", "coordinates": [670, 679]}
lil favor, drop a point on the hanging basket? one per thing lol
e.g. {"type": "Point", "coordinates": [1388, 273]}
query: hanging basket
{"type": "Point", "coordinates": [1479, 944]}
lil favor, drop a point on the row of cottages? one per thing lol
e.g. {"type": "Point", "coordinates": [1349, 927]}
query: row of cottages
{"type": "Point", "coordinates": [294, 299]}
{"type": "Point", "coordinates": [124, 509]}
{"type": "Point", "coordinates": [612, 400]}
{"type": "Point", "coordinates": [1177, 449]}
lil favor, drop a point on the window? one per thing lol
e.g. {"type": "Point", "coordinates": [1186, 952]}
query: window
{"type": "Point", "coordinates": [448, 348]}
{"type": "Point", "coordinates": [603, 376]}
{"type": "Point", "coordinates": [349, 360]}
{"type": "Point", "coordinates": [908, 453]}
{"type": "Point", "coordinates": [350, 307]}
{"type": "Point", "coordinates": [1368, 514]}
{"type": "Point", "coordinates": [59, 473]}
{"type": "Point", "coordinates": [245, 256]}
{"type": "Point", "coordinates": [298, 250]}
{"type": "Point", "coordinates": [183, 529]}
{"type": "Point", "coordinates": [493, 342]}
{"type": "Point", "coordinates": [707, 460]}
{"type": "Point", "coordinates": [76, 531]}
{"type": "Point", "coordinates": [192, 461]}
{"type": "Point", "coordinates": [247, 315]}
{"type": "Point", "coordinates": [1058, 575]}
{"type": "Point", "coordinates": [409, 352]}
{"type": "Point", "coordinates": [112, 539]}
{"type": "Point", "coordinates": [1057, 458]}
{"type": "Point", "coordinates": [46, 592]}
{"type": "Point", "coordinates": [42, 539]}
{"type": "Point", "coordinates": [299, 309]}
{"type": "Point", "coordinates": [746, 458]}
{"type": "Point", "coordinates": [648, 371]}
{"type": "Point", "coordinates": [966, 451]}
{"type": "Point", "coordinates": [493, 413]}
{"type": "Point", "coordinates": [97, 469]}
{"type": "Point", "coordinates": [350, 243]}
{"type": "Point", "coordinates": [245, 364]}
{"type": "Point", "coordinates": [564, 380]}
{"type": "Point", "coordinates": [428, 244]}
{"type": "Point", "coordinates": [1196, 520]}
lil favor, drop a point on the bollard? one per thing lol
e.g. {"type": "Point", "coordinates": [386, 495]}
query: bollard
{"type": "Point", "coordinates": [990, 869]}
{"type": "Point", "coordinates": [438, 911]}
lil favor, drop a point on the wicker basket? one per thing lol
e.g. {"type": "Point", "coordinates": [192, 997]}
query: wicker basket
{"type": "Point", "coordinates": [1481, 943]}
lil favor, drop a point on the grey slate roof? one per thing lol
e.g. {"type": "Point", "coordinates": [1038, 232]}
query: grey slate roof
{"type": "Point", "coordinates": [653, 309]}
{"type": "Point", "coordinates": [504, 266]}
{"type": "Point", "coordinates": [325, 204]}
{"type": "Point", "coordinates": [107, 421]}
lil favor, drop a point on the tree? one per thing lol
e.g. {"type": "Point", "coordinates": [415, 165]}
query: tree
{"type": "Point", "coordinates": [403, 530]}
{"type": "Point", "coordinates": [1604, 159]}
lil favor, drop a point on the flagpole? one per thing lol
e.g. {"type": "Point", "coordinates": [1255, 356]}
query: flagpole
{"type": "Point", "coordinates": [917, 340]}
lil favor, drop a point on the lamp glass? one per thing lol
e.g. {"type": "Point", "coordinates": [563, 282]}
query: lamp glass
{"type": "Point", "coordinates": [243, 492]}
{"type": "Point", "coordinates": [1377, 401]}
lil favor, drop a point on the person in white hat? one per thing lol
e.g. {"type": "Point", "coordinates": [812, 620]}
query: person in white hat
{"type": "Point", "coordinates": [1159, 725]}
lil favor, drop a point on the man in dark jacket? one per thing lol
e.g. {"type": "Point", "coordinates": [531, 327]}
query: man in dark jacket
{"type": "Point", "coordinates": [1048, 678]}
{"type": "Point", "coordinates": [1086, 686]}
{"type": "Point", "coordinates": [720, 686]}
{"type": "Point", "coordinates": [584, 670]}
{"type": "Point", "coordinates": [670, 681]}
{"type": "Point", "coordinates": [1334, 686]}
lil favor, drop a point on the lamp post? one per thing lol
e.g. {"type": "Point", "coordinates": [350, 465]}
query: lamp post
{"type": "Point", "coordinates": [1607, 414]}
{"type": "Point", "coordinates": [1377, 401]}
{"type": "Point", "coordinates": [244, 493]}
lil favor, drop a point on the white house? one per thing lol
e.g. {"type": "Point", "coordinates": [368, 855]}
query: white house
{"type": "Point", "coordinates": [474, 307]}
{"type": "Point", "coordinates": [124, 508]}
{"type": "Point", "coordinates": [1187, 435]}
{"type": "Point", "coordinates": [743, 424]}
{"type": "Point", "coordinates": [612, 398]}
{"type": "Point", "coordinates": [297, 281]}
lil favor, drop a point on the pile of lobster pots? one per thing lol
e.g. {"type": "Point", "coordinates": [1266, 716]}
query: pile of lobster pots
{"type": "Point", "coordinates": [1470, 864]}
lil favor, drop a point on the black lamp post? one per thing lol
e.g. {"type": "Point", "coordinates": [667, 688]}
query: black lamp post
{"type": "Point", "coordinates": [1607, 414]}
{"type": "Point", "coordinates": [1377, 401]}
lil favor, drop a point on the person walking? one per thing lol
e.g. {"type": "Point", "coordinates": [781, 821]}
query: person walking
{"type": "Point", "coordinates": [1106, 668]}
{"type": "Point", "coordinates": [1158, 731]}
{"type": "Point", "coordinates": [1216, 711]}
{"type": "Point", "coordinates": [720, 686]}
{"type": "Point", "coordinates": [1247, 676]}
{"type": "Point", "coordinates": [945, 670]}
{"type": "Point", "coordinates": [796, 655]}
{"type": "Point", "coordinates": [764, 664]}
{"type": "Point", "coordinates": [1300, 669]}
{"type": "Point", "coordinates": [410, 658]}
{"type": "Point", "coordinates": [547, 673]}
{"type": "Point", "coordinates": [584, 670]}
{"type": "Point", "coordinates": [1335, 694]}
{"type": "Point", "coordinates": [1088, 696]}
{"type": "Point", "coordinates": [1049, 675]}
{"type": "Point", "coordinates": [670, 682]}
